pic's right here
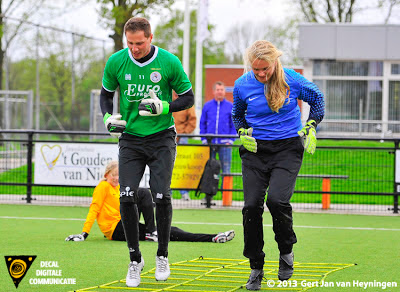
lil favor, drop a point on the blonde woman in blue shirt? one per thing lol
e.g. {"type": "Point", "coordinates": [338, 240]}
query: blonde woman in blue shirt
{"type": "Point", "coordinates": [267, 117]}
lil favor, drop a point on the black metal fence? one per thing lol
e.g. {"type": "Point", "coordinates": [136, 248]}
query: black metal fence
{"type": "Point", "coordinates": [342, 176]}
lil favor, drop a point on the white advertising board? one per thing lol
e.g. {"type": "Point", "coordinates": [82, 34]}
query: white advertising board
{"type": "Point", "coordinates": [80, 164]}
{"type": "Point", "coordinates": [397, 179]}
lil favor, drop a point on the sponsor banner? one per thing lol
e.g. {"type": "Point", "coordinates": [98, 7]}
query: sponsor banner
{"type": "Point", "coordinates": [75, 164]}
{"type": "Point", "coordinates": [189, 166]}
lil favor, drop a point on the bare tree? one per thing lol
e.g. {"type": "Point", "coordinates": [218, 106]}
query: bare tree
{"type": "Point", "coordinates": [389, 6]}
{"type": "Point", "coordinates": [239, 37]}
{"type": "Point", "coordinates": [284, 36]}
{"type": "Point", "coordinates": [324, 11]}
{"type": "Point", "coordinates": [23, 9]}
{"type": "Point", "coordinates": [115, 13]}
{"type": "Point", "coordinates": [328, 10]}
{"type": "Point", "coordinates": [169, 35]}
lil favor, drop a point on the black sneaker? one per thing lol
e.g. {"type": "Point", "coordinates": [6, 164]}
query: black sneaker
{"type": "Point", "coordinates": [254, 282]}
{"type": "Point", "coordinates": [285, 266]}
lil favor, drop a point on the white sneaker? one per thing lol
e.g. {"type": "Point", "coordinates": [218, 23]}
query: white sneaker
{"type": "Point", "coordinates": [162, 268]}
{"type": "Point", "coordinates": [224, 236]}
{"type": "Point", "coordinates": [151, 236]}
{"type": "Point", "coordinates": [133, 276]}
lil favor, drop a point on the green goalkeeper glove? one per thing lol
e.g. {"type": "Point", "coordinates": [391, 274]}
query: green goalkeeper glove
{"type": "Point", "coordinates": [77, 237]}
{"type": "Point", "coordinates": [153, 106]}
{"type": "Point", "coordinates": [114, 124]}
{"type": "Point", "coordinates": [308, 134]}
{"type": "Point", "coordinates": [247, 141]}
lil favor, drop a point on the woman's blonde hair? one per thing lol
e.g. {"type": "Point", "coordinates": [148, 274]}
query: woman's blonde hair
{"type": "Point", "coordinates": [109, 167]}
{"type": "Point", "coordinates": [277, 88]}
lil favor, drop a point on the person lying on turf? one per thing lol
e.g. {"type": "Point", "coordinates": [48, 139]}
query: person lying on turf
{"type": "Point", "coordinates": [105, 208]}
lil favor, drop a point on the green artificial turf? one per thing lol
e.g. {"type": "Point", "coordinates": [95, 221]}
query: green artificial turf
{"type": "Point", "coordinates": [372, 242]}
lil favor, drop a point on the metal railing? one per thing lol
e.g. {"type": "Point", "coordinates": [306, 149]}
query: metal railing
{"type": "Point", "coordinates": [339, 178]}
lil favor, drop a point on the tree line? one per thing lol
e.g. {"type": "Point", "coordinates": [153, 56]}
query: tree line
{"type": "Point", "coordinates": [61, 110]}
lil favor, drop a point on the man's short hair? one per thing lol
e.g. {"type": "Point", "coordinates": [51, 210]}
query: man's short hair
{"type": "Point", "coordinates": [135, 24]}
{"type": "Point", "coordinates": [218, 83]}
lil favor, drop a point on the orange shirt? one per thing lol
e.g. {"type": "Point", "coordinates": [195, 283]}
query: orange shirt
{"type": "Point", "coordinates": [104, 208]}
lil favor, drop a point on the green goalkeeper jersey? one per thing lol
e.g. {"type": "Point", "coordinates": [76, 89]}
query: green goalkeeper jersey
{"type": "Point", "coordinates": [161, 73]}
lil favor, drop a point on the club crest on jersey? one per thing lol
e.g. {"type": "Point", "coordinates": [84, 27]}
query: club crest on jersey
{"type": "Point", "coordinates": [128, 77]}
{"type": "Point", "coordinates": [155, 77]}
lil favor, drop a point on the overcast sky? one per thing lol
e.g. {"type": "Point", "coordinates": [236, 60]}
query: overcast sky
{"type": "Point", "coordinates": [222, 13]}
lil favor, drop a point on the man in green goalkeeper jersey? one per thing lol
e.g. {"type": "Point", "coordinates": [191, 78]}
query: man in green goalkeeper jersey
{"type": "Point", "coordinates": [146, 76]}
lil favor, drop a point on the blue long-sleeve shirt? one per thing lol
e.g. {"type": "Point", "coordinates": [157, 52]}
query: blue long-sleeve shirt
{"type": "Point", "coordinates": [216, 118]}
{"type": "Point", "coordinates": [250, 106]}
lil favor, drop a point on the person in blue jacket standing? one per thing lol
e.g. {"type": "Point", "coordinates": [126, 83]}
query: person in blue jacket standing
{"type": "Point", "coordinates": [216, 118]}
{"type": "Point", "coordinates": [267, 117]}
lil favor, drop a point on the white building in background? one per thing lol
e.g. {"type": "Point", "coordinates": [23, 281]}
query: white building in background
{"type": "Point", "coordinates": [358, 69]}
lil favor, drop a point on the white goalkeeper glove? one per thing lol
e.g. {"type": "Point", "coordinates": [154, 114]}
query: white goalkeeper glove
{"type": "Point", "coordinates": [153, 106]}
{"type": "Point", "coordinates": [114, 124]}
{"type": "Point", "coordinates": [77, 237]}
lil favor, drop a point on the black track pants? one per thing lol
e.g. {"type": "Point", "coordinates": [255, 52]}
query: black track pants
{"type": "Point", "coordinates": [274, 168]}
{"type": "Point", "coordinates": [158, 151]}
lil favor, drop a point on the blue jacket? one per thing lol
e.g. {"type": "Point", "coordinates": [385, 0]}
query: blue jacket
{"type": "Point", "coordinates": [250, 107]}
{"type": "Point", "coordinates": [216, 118]}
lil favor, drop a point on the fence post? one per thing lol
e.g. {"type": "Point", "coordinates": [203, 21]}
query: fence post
{"type": "Point", "coordinates": [29, 168]}
{"type": "Point", "coordinates": [209, 141]}
{"type": "Point", "coordinates": [396, 177]}
{"type": "Point", "coordinates": [227, 183]}
{"type": "Point", "coordinates": [326, 197]}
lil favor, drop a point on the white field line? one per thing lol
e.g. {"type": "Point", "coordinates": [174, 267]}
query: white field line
{"type": "Point", "coordinates": [216, 223]}
{"type": "Point", "coordinates": [41, 218]}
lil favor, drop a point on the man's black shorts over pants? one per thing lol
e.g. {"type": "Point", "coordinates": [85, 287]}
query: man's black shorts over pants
{"type": "Point", "coordinates": [158, 151]}
{"type": "Point", "coordinates": [274, 167]}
